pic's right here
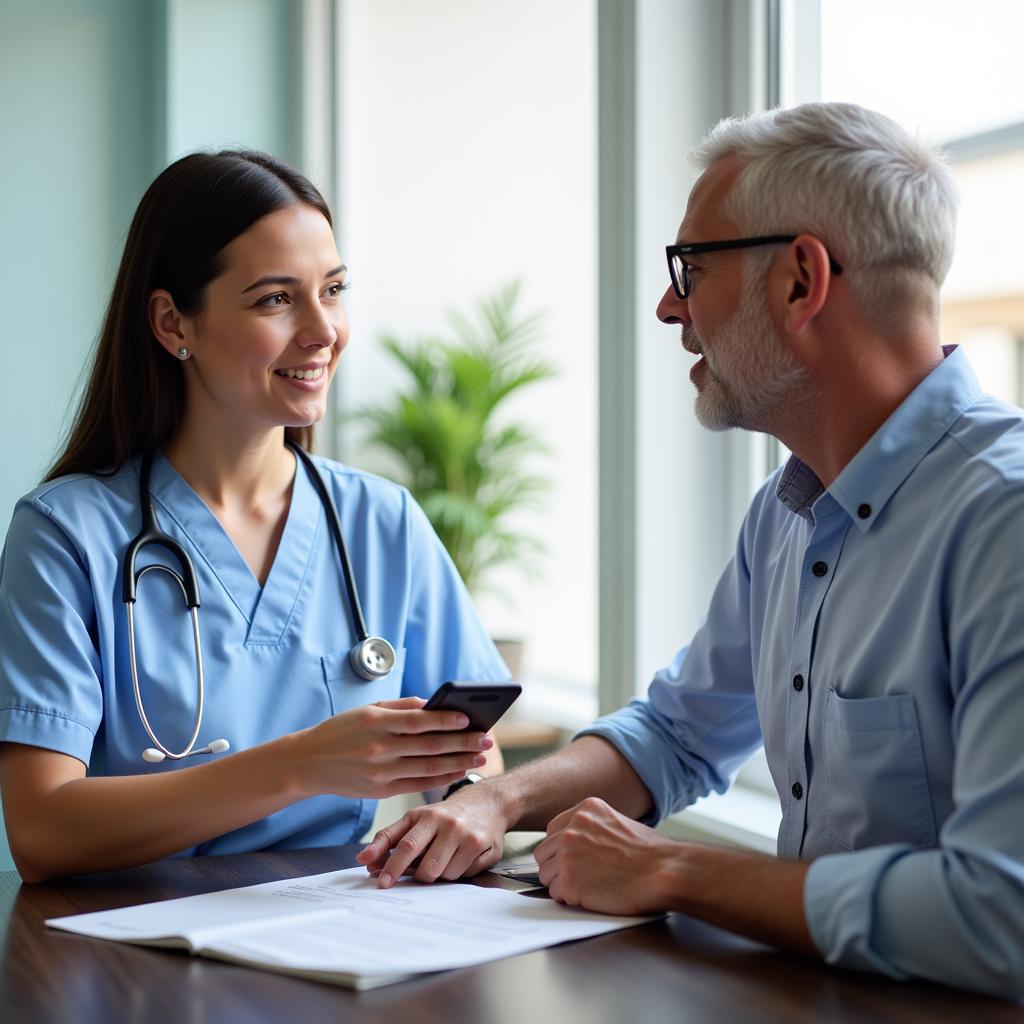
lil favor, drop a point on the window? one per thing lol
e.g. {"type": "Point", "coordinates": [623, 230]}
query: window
{"type": "Point", "coordinates": [977, 113]}
{"type": "Point", "coordinates": [955, 81]}
{"type": "Point", "coordinates": [468, 142]}
{"type": "Point", "coordinates": [465, 124]}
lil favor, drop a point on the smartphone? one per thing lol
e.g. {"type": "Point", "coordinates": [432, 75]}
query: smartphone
{"type": "Point", "coordinates": [482, 703]}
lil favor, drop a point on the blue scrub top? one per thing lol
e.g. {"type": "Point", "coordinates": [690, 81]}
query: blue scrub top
{"type": "Point", "coordinates": [275, 658]}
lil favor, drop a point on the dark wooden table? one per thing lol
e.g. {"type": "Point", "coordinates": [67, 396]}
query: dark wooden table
{"type": "Point", "coordinates": [675, 969]}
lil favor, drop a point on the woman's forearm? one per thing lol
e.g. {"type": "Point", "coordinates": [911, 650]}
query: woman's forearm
{"type": "Point", "coordinates": [105, 823]}
{"type": "Point", "coordinates": [60, 822]}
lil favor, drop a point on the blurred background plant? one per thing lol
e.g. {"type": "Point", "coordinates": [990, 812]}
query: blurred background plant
{"type": "Point", "coordinates": [470, 467]}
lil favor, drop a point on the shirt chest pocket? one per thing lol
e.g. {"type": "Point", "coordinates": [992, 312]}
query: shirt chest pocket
{"type": "Point", "coordinates": [875, 771]}
{"type": "Point", "coordinates": [347, 690]}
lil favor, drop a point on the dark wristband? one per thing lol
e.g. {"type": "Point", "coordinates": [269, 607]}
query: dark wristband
{"type": "Point", "coordinates": [470, 778]}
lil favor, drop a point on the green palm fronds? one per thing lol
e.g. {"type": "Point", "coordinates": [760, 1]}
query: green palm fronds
{"type": "Point", "coordinates": [464, 464]}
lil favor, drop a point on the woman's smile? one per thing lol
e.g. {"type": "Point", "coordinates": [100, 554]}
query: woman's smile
{"type": "Point", "coordinates": [309, 379]}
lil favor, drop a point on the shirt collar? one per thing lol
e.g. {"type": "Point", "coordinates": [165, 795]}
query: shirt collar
{"type": "Point", "coordinates": [872, 476]}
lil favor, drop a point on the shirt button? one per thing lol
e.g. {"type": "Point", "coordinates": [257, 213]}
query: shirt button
{"type": "Point", "coordinates": [798, 790]}
{"type": "Point", "coordinates": [798, 683]}
{"type": "Point", "coordinates": [864, 511]}
{"type": "Point", "coordinates": [819, 568]}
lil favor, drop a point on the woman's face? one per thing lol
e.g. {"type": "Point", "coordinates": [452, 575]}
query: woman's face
{"type": "Point", "coordinates": [266, 345]}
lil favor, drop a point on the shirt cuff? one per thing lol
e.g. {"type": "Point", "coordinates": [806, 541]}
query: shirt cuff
{"type": "Point", "coordinates": [839, 896]}
{"type": "Point", "coordinates": [653, 755]}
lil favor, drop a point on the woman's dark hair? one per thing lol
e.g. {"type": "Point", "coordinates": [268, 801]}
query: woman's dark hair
{"type": "Point", "coordinates": [135, 396]}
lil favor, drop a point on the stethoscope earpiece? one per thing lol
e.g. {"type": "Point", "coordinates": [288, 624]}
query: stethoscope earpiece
{"type": "Point", "coordinates": [154, 756]}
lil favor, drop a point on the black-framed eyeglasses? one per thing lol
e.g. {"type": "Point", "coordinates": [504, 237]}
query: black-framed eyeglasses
{"type": "Point", "coordinates": [679, 269]}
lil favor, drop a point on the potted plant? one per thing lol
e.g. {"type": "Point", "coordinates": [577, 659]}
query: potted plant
{"type": "Point", "coordinates": [469, 465]}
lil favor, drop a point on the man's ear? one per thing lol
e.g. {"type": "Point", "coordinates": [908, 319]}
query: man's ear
{"type": "Point", "coordinates": [806, 277]}
{"type": "Point", "coordinates": [169, 326]}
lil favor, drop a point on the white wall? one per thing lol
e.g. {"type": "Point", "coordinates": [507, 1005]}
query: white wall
{"type": "Point", "coordinates": [98, 96]}
{"type": "Point", "coordinates": [468, 159]}
{"type": "Point", "coordinates": [73, 161]}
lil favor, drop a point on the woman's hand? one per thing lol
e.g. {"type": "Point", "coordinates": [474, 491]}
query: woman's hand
{"type": "Point", "coordinates": [60, 822]}
{"type": "Point", "coordinates": [387, 748]}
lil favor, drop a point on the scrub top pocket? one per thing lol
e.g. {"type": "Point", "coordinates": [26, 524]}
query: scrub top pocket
{"type": "Point", "coordinates": [875, 772]}
{"type": "Point", "coordinates": [348, 690]}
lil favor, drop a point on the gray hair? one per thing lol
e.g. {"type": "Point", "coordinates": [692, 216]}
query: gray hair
{"type": "Point", "coordinates": [883, 202]}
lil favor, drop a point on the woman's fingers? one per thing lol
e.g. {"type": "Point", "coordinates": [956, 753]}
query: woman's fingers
{"type": "Point", "coordinates": [391, 747]}
{"type": "Point", "coordinates": [401, 703]}
{"type": "Point", "coordinates": [417, 721]}
{"type": "Point", "coordinates": [430, 767]}
{"type": "Point", "coordinates": [429, 744]}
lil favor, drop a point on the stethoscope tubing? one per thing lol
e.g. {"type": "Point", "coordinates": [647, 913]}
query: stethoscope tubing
{"type": "Point", "coordinates": [372, 657]}
{"type": "Point", "coordinates": [334, 525]}
{"type": "Point", "coordinates": [200, 687]}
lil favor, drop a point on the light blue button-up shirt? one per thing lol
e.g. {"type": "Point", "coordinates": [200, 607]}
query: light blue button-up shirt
{"type": "Point", "coordinates": [275, 656]}
{"type": "Point", "coordinates": [871, 635]}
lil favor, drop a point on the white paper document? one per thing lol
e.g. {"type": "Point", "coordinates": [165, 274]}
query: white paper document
{"type": "Point", "coordinates": [340, 927]}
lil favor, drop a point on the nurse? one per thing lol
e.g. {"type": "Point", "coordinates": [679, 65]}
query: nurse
{"type": "Point", "coordinates": [223, 333]}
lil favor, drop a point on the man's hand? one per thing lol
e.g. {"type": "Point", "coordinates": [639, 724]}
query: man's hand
{"type": "Point", "coordinates": [596, 858]}
{"type": "Point", "coordinates": [457, 837]}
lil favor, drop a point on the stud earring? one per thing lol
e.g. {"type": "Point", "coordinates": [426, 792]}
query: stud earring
{"type": "Point", "coordinates": [183, 353]}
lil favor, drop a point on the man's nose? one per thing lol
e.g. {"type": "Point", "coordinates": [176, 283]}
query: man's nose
{"type": "Point", "coordinates": [672, 309]}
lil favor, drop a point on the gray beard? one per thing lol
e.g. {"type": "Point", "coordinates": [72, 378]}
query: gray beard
{"type": "Point", "coordinates": [750, 378]}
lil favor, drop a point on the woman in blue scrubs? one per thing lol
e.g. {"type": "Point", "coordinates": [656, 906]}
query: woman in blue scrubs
{"type": "Point", "coordinates": [224, 330]}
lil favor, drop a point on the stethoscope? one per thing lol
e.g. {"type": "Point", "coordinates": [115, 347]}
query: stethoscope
{"type": "Point", "coordinates": [371, 658]}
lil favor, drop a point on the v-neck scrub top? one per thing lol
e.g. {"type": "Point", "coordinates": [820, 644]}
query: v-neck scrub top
{"type": "Point", "coordinates": [275, 657]}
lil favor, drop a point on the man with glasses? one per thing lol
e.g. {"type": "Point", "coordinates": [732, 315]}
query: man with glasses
{"type": "Point", "coordinates": [869, 629]}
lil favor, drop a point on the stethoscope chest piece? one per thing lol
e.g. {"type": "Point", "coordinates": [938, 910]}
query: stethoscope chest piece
{"type": "Point", "coordinates": [372, 658]}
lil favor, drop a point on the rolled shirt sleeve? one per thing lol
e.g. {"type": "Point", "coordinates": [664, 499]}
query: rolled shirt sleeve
{"type": "Point", "coordinates": [878, 626]}
{"type": "Point", "coordinates": [699, 723]}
